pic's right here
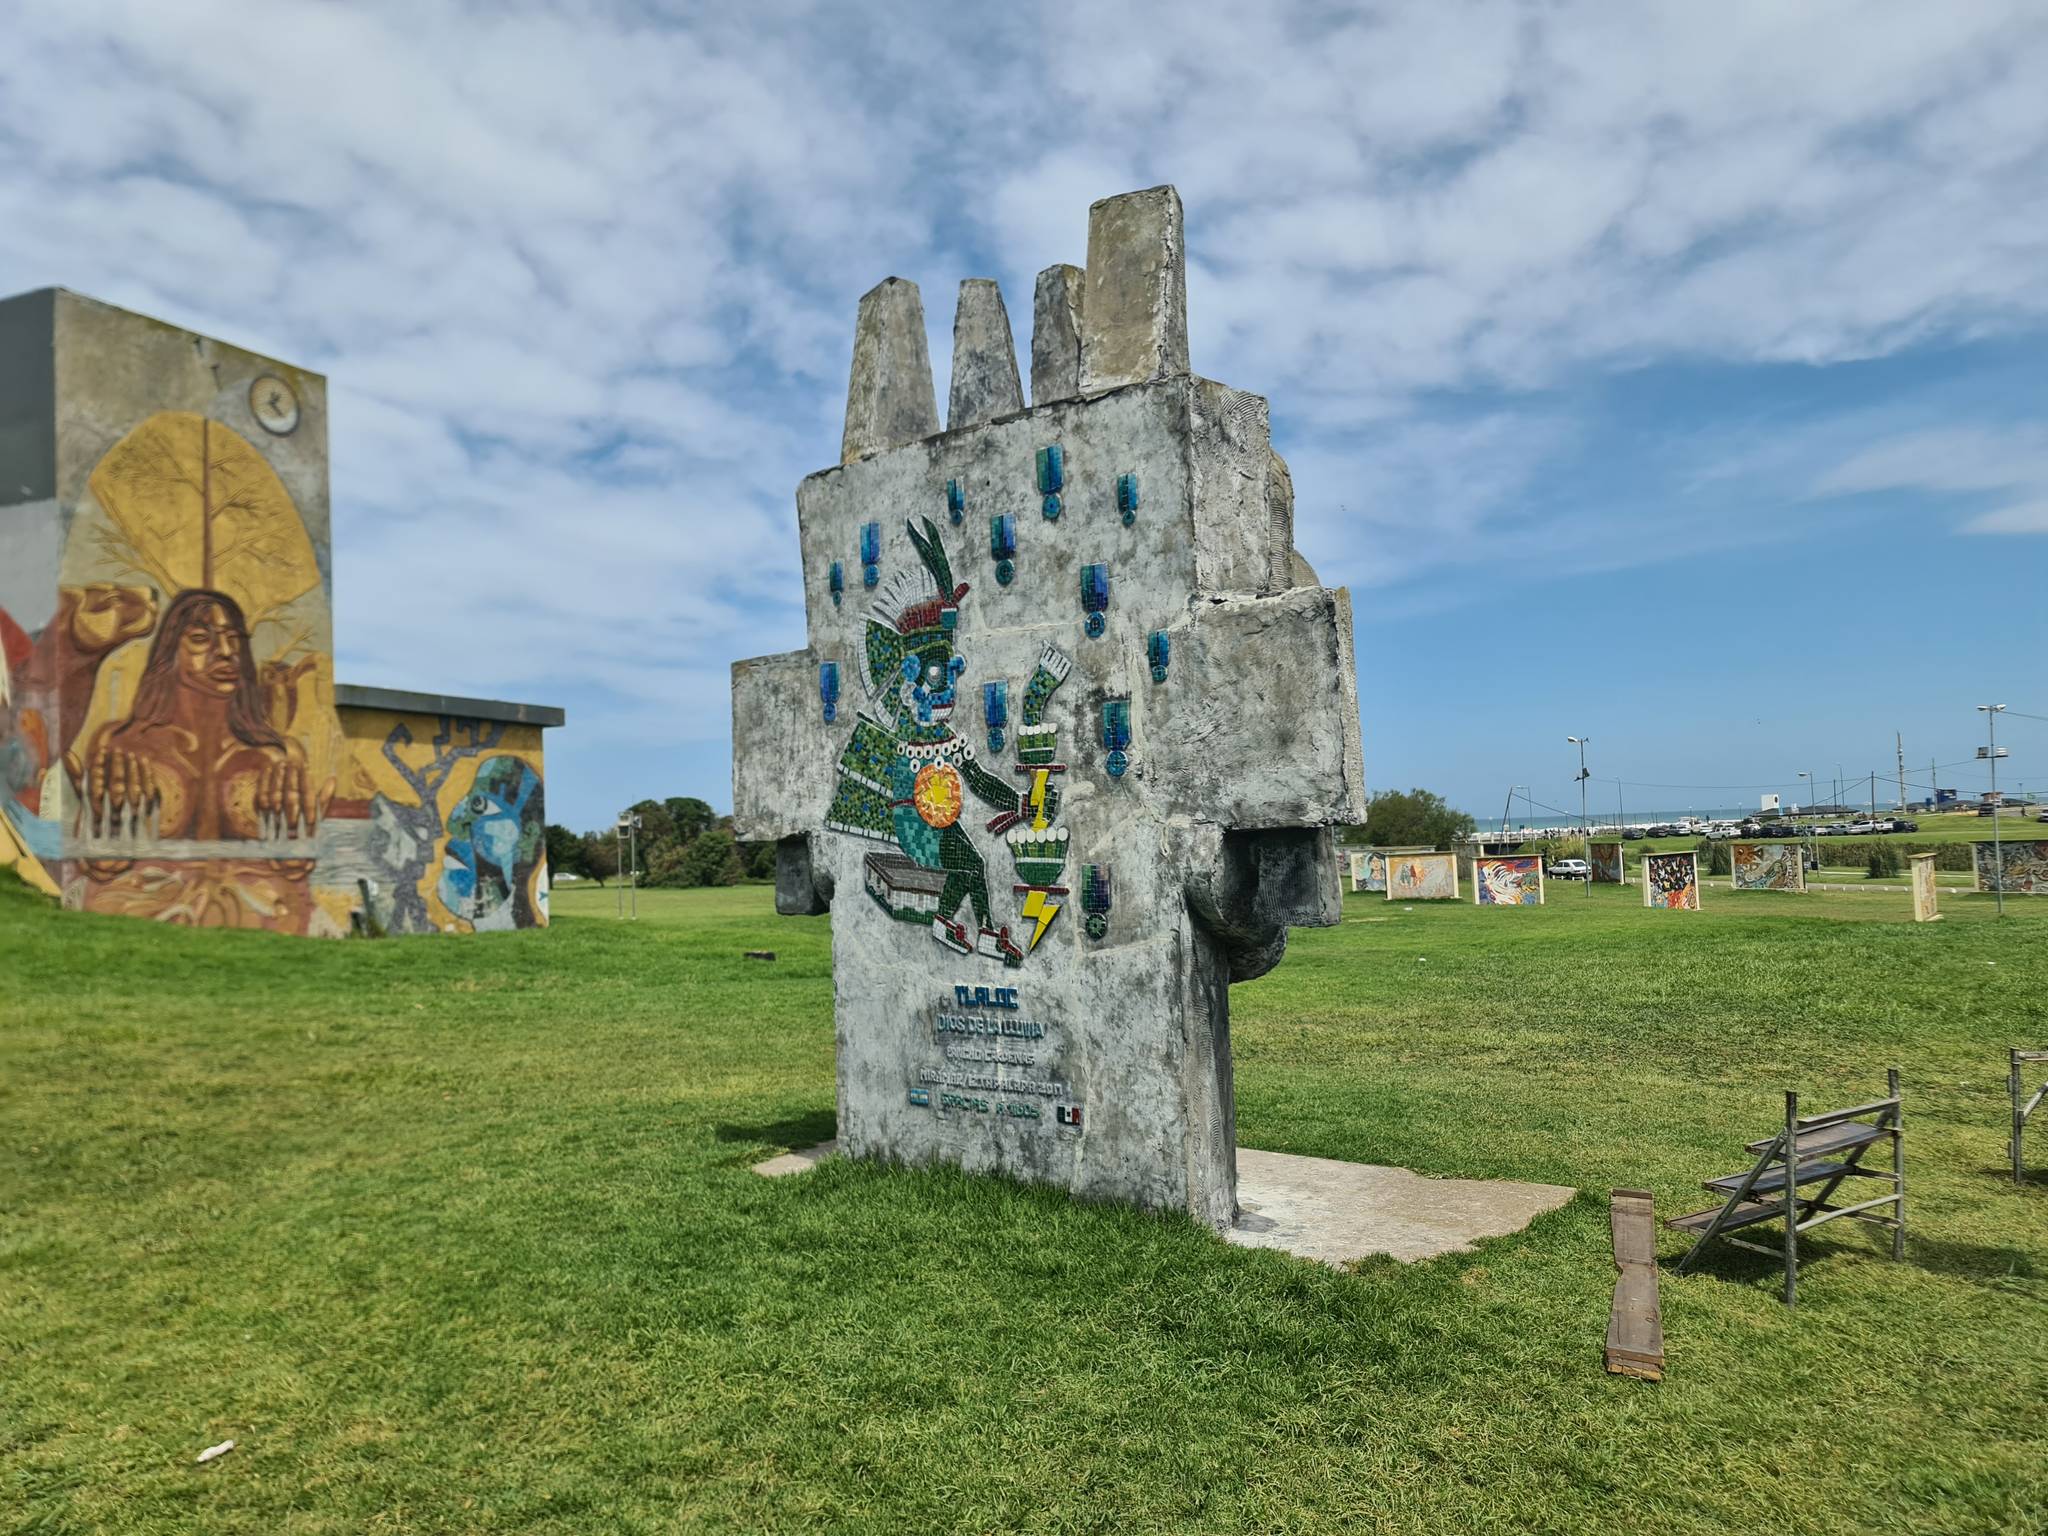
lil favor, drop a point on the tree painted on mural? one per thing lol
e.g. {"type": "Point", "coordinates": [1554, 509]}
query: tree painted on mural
{"type": "Point", "coordinates": [405, 837]}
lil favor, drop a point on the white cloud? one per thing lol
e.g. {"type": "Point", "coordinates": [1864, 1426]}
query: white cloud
{"type": "Point", "coordinates": [2006, 465]}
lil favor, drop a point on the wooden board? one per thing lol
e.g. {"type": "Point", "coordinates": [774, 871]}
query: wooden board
{"type": "Point", "coordinates": [1635, 1229]}
{"type": "Point", "coordinates": [1635, 1326]}
{"type": "Point", "coordinates": [1635, 1323]}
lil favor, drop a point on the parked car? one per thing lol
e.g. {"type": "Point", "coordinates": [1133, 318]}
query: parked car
{"type": "Point", "coordinates": [1568, 869]}
{"type": "Point", "coordinates": [1637, 834]}
{"type": "Point", "coordinates": [1903, 824]}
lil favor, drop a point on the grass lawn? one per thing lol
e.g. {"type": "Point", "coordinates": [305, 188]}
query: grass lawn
{"type": "Point", "coordinates": [458, 1235]}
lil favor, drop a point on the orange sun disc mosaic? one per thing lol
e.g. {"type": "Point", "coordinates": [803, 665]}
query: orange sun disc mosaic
{"type": "Point", "coordinates": [937, 794]}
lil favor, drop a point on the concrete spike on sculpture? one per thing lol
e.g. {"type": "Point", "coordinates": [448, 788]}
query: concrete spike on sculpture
{"type": "Point", "coordinates": [1056, 335]}
{"type": "Point", "coordinates": [985, 383]}
{"type": "Point", "coordinates": [1182, 810]}
{"type": "Point", "coordinates": [889, 399]}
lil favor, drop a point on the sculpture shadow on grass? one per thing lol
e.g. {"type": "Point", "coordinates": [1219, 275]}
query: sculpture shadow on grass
{"type": "Point", "coordinates": [793, 1133]}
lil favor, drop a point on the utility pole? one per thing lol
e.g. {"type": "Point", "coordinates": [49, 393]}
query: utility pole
{"type": "Point", "coordinates": [1991, 713]}
{"type": "Point", "coordinates": [1873, 794]}
{"type": "Point", "coordinates": [1899, 740]}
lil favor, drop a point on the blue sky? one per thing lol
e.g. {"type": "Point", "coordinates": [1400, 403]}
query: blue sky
{"type": "Point", "coordinates": [1669, 374]}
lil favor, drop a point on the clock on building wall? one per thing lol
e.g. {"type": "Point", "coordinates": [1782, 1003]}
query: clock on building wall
{"type": "Point", "coordinates": [273, 404]}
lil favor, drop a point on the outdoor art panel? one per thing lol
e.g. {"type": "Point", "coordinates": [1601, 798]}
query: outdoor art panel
{"type": "Point", "coordinates": [1924, 901]}
{"type": "Point", "coordinates": [1606, 862]}
{"type": "Point", "coordinates": [1513, 880]}
{"type": "Point", "coordinates": [1672, 880]}
{"type": "Point", "coordinates": [1767, 867]}
{"type": "Point", "coordinates": [1375, 871]}
{"type": "Point", "coordinates": [1422, 877]}
{"type": "Point", "coordinates": [2025, 867]}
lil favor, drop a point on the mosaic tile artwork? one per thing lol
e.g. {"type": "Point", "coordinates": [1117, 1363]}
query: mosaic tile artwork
{"type": "Point", "coordinates": [1002, 546]}
{"type": "Point", "coordinates": [1052, 479]}
{"type": "Point", "coordinates": [1095, 598]}
{"type": "Point", "coordinates": [906, 778]}
{"type": "Point", "coordinates": [1116, 736]}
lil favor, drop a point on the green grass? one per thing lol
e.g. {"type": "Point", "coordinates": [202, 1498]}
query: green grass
{"type": "Point", "coordinates": [458, 1235]}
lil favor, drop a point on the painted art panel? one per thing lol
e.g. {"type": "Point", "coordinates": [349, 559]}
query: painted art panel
{"type": "Point", "coordinates": [1376, 871]}
{"type": "Point", "coordinates": [1672, 880]}
{"type": "Point", "coordinates": [1355, 863]}
{"type": "Point", "coordinates": [1924, 903]}
{"type": "Point", "coordinates": [1767, 866]}
{"type": "Point", "coordinates": [2026, 867]}
{"type": "Point", "coordinates": [1607, 862]}
{"type": "Point", "coordinates": [1509, 880]}
{"type": "Point", "coordinates": [188, 672]}
{"type": "Point", "coordinates": [442, 820]}
{"type": "Point", "coordinates": [1422, 877]}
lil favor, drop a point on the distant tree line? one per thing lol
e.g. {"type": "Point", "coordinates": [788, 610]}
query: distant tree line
{"type": "Point", "coordinates": [1410, 818]}
{"type": "Point", "coordinates": [681, 842]}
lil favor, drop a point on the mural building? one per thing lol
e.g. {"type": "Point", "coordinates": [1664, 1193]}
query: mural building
{"type": "Point", "coordinates": [172, 741]}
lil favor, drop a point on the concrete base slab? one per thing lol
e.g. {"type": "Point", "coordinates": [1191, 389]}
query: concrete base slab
{"type": "Point", "coordinates": [796, 1162]}
{"type": "Point", "coordinates": [1334, 1213]}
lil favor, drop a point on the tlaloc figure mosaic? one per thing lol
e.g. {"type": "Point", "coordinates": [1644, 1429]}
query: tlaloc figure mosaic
{"type": "Point", "coordinates": [1187, 743]}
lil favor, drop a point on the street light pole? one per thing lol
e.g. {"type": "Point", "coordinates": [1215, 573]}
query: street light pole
{"type": "Point", "coordinates": [1585, 833]}
{"type": "Point", "coordinates": [1812, 854]}
{"type": "Point", "coordinates": [1991, 713]}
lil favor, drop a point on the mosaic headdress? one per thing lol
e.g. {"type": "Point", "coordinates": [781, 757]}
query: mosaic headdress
{"type": "Point", "coordinates": [915, 609]}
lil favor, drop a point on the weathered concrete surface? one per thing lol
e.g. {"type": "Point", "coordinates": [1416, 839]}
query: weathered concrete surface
{"type": "Point", "coordinates": [889, 400]}
{"type": "Point", "coordinates": [1337, 1213]}
{"type": "Point", "coordinates": [802, 1161]}
{"type": "Point", "coordinates": [1056, 335]}
{"type": "Point", "coordinates": [1134, 318]}
{"type": "Point", "coordinates": [984, 384]}
{"type": "Point", "coordinates": [1105, 1069]}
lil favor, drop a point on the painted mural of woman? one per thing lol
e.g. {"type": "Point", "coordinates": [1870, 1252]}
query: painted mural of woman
{"type": "Point", "coordinates": [197, 759]}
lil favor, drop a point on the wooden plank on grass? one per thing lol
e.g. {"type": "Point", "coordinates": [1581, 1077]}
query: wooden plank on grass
{"type": "Point", "coordinates": [1635, 1232]}
{"type": "Point", "coordinates": [1635, 1324]}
